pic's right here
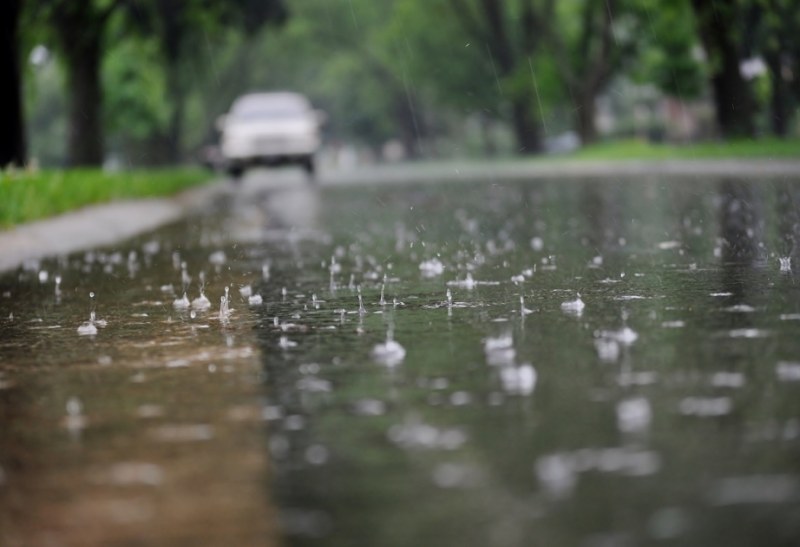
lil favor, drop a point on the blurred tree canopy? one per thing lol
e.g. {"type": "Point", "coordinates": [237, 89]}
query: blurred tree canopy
{"type": "Point", "coordinates": [143, 81]}
{"type": "Point", "coordinates": [86, 33]}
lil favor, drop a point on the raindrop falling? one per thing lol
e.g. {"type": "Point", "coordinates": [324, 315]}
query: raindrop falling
{"type": "Point", "coordinates": [224, 310]}
{"type": "Point", "coordinates": [75, 419]}
{"type": "Point", "coordinates": [185, 279]}
{"type": "Point", "coordinates": [361, 309]}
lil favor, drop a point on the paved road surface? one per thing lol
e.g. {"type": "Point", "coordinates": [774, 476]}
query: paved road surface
{"type": "Point", "coordinates": [105, 224]}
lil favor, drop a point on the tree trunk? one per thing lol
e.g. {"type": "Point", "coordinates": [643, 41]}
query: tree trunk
{"type": "Point", "coordinates": [85, 134]}
{"type": "Point", "coordinates": [487, 137]}
{"type": "Point", "coordinates": [173, 24]}
{"type": "Point", "coordinates": [733, 100]}
{"type": "Point", "coordinates": [175, 128]}
{"type": "Point", "coordinates": [735, 107]}
{"type": "Point", "coordinates": [585, 115]}
{"type": "Point", "coordinates": [526, 128]}
{"type": "Point", "coordinates": [779, 96]}
{"type": "Point", "coordinates": [12, 132]}
{"type": "Point", "coordinates": [409, 124]}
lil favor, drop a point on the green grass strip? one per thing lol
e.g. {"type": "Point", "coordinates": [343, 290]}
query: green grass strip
{"type": "Point", "coordinates": [26, 196]}
{"type": "Point", "coordinates": [641, 150]}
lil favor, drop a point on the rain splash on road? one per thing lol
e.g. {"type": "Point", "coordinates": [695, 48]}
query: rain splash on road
{"type": "Point", "coordinates": [580, 362]}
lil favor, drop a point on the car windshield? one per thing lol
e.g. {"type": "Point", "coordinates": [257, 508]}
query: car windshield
{"type": "Point", "coordinates": [271, 108]}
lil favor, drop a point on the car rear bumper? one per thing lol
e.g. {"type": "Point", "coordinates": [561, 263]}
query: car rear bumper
{"type": "Point", "coordinates": [266, 148]}
{"type": "Point", "coordinates": [269, 160]}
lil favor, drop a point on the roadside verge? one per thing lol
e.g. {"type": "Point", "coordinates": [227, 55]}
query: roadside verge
{"type": "Point", "coordinates": [96, 225]}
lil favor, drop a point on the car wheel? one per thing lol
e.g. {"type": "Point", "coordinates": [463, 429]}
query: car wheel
{"type": "Point", "coordinates": [235, 171]}
{"type": "Point", "coordinates": [309, 167]}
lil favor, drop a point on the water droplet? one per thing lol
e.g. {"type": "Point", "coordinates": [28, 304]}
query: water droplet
{"type": "Point", "coordinates": [706, 406]}
{"type": "Point", "coordinates": [181, 303]}
{"type": "Point", "coordinates": [633, 415]}
{"type": "Point", "coordinates": [575, 307]}
{"type": "Point", "coordinates": [361, 308]}
{"type": "Point", "coordinates": [668, 523]}
{"type": "Point", "coordinates": [389, 353]}
{"type": "Point", "coordinates": [74, 406]}
{"type": "Point", "coordinates": [431, 268]}
{"type": "Point", "coordinates": [787, 371]}
{"type": "Point", "coordinates": [316, 454]}
{"type": "Point", "coordinates": [519, 380]}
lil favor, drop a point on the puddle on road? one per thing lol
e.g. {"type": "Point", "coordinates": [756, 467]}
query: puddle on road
{"type": "Point", "coordinates": [578, 362]}
{"type": "Point", "coordinates": [142, 424]}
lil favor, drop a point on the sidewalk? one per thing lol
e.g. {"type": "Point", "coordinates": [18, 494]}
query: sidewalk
{"type": "Point", "coordinates": [96, 225]}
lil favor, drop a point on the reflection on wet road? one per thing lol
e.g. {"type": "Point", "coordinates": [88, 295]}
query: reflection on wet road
{"type": "Point", "coordinates": [549, 363]}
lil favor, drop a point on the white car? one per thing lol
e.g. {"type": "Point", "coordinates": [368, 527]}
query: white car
{"type": "Point", "coordinates": [276, 128]}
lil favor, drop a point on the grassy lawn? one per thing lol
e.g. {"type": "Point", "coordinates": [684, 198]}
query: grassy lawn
{"type": "Point", "coordinates": [29, 196]}
{"type": "Point", "coordinates": [641, 150]}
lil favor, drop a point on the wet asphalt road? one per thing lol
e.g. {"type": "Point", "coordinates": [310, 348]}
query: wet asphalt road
{"type": "Point", "coordinates": [478, 362]}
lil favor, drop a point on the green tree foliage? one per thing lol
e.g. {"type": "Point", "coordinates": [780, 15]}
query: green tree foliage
{"type": "Point", "coordinates": [136, 114]}
{"type": "Point", "coordinates": [593, 43]}
{"type": "Point", "coordinates": [669, 41]}
{"type": "Point", "coordinates": [456, 72]}
{"type": "Point", "coordinates": [155, 74]}
{"type": "Point", "coordinates": [513, 33]}
{"type": "Point", "coordinates": [137, 37]}
{"type": "Point", "coordinates": [180, 24]}
{"type": "Point", "coordinates": [78, 28]}
{"type": "Point", "coordinates": [340, 54]}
